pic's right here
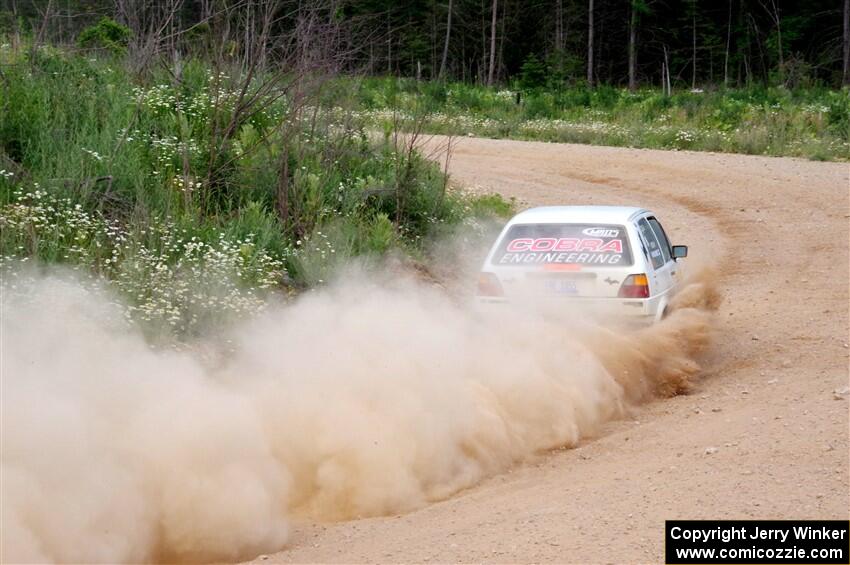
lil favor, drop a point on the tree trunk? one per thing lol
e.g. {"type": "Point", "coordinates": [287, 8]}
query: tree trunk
{"type": "Point", "coordinates": [559, 25]}
{"type": "Point", "coordinates": [446, 43]}
{"type": "Point", "coordinates": [633, 47]}
{"type": "Point", "coordinates": [742, 52]}
{"type": "Point", "coordinates": [502, 37]}
{"type": "Point", "coordinates": [728, 45]}
{"type": "Point", "coordinates": [389, 46]}
{"type": "Point", "coordinates": [748, 51]}
{"type": "Point", "coordinates": [590, 43]}
{"type": "Point", "coordinates": [482, 62]}
{"type": "Point", "coordinates": [463, 59]}
{"type": "Point", "coordinates": [433, 44]}
{"type": "Point", "coordinates": [16, 36]}
{"type": "Point", "coordinates": [41, 29]}
{"type": "Point", "coordinates": [283, 189]}
{"type": "Point", "coordinates": [694, 54]}
{"type": "Point", "coordinates": [492, 67]}
{"type": "Point", "coordinates": [773, 12]}
{"type": "Point", "coordinates": [846, 41]}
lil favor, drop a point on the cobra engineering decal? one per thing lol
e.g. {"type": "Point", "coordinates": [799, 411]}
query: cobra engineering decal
{"type": "Point", "coordinates": [579, 244]}
{"type": "Point", "coordinates": [563, 250]}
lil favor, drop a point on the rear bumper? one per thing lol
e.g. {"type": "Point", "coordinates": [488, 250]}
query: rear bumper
{"type": "Point", "coordinates": [620, 307]}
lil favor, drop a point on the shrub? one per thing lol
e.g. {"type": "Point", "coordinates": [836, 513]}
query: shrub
{"type": "Point", "coordinates": [533, 73]}
{"type": "Point", "coordinates": [106, 34]}
{"type": "Point", "coordinates": [838, 114]}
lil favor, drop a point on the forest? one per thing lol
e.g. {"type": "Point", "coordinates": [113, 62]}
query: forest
{"type": "Point", "coordinates": [630, 43]}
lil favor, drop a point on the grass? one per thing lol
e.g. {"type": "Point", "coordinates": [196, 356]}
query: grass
{"type": "Point", "coordinates": [812, 123]}
{"type": "Point", "coordinates": [109, 174]}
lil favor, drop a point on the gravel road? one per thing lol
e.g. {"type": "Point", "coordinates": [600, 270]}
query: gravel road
{"type": "Point", "coordinates": [763, 435]}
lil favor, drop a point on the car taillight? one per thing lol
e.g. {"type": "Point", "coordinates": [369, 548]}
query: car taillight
{"type": "Point", "coordinates": [635, 286]}
{"type": "Point", "coordinates": [489, 285]}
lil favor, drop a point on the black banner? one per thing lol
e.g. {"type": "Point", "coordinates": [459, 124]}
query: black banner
{"type": "Point", "coordinates": [757, 541]}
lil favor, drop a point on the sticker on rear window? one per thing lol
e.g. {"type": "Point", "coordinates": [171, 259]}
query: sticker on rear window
{"type": "Point", "coordinates": [578, 244]}
{"type": "Point", "coordinates": [601, 232]}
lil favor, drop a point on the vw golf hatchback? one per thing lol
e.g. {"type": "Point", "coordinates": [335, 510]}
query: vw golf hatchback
{"type": "Point", "coordinates": [613, 259]}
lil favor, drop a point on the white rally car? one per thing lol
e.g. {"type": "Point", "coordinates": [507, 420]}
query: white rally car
{"type": "Point", "coordinates": [611, 259]}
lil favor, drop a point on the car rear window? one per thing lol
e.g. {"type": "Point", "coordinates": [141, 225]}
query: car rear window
{"type": "Point", "coordinates": [547, 244]}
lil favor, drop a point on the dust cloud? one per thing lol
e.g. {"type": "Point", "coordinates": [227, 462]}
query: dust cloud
{"type": "Point", "coordinates": [364, 398]}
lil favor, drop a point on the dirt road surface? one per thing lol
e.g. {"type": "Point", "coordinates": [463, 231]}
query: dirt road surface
{"type": "Point", "coordinates": [778, 230]}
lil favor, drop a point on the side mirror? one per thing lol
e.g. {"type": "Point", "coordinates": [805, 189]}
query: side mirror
{"type": "Point", "coordinates": [680, 251]}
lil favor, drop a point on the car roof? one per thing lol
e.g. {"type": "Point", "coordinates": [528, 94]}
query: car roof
{"type": "Point", "coordinates": [577, 214]}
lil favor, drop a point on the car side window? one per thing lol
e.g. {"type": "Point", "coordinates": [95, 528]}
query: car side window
{"type": "Point", "coordinates": [655, 254]}
{"type": "Point", "coordinates": [662, 238]}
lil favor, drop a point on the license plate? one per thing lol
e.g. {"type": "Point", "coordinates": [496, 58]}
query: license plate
{"type": "Point", "coordinates": [560, 286]}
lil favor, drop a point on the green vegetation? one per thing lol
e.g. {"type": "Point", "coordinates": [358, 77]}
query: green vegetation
{"type": "Point", "coordinates": [134, 181]}
{"type": "Point", "coordinates": [812, 123]}
{"type": "Point", "coordinates": [105, 34]}
{"type": "Point", "coordinates": [203, 155]}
